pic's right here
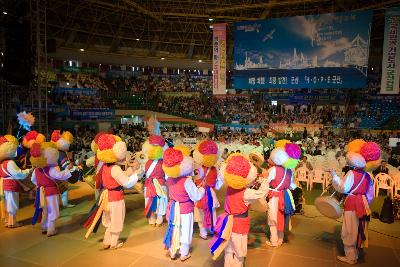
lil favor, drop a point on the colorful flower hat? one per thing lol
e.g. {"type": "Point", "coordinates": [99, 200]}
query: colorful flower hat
{"type": "Point", "coordinates": [93, 144]}
{"type": "Point", "coordinates": [206, 153]}
{"type": "Point", "coordinates": [154, 147]}
{"type": "Point", "coordinates": [286, 154]}
{"type": "Point", "coordinates": [111, 148]}
{"type": "Point", "coordinates": [44, 154]}
{"type": "Point", "coordinates": [238, 171]}
{"type": "Point", "coordinates": [62, 139]}
{"type": "Point", "coordinates": [32, 137]}
{"type": "Point", "coordinates": [177, 162]}
{"type": "Point", "coordinates": [363, 155]}
{"type": "Point", "coordinates": [8, 147]}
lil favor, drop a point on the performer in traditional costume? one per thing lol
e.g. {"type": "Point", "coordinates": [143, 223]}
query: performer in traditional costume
{"type": "Point", "coordinates": [23, 158]}
{"type": "Point", "coordinates": [183, 192]}
{"type": "Point", "coordinates": [233, 225]}
{"type": "Point", "coordinates": [155, 190]}
{"type": "Point", "coordinates": [111, 206]}
{"type": "Point", "coordinates": [10, 173]}
{"type": "Point", "coordinates": [44, 157]}
{"type": "Point", "coordinates": [95, 163]}
{"type": "Point", "coordinates": [63, 140]}
{"type": "Point", "coordinates": [285, 158]}
{"type": "Point", "coordinates": [362, 157]}
{"type": "Point", "coordinates": [206, 156]}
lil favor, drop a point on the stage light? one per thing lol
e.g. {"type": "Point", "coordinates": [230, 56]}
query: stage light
{"type": "Point", "coordinates": [5, 13]}
{"type": "Point", "coordinates": [2, 54]}
{"type": "Point", "coordinates": [162, 58]}
{"type": "Point", "coordinates": [137, 39]}
{"type": "Point", "coordinates": [372, 68]}
{"type": "Point", "coordinates": [82, 50]}
{"type": "Point", "coordinates": [200, 60]}
{"type": "Point", "coordinates": [67, 83]}
{"type": "Point", "coordinates": [210, 19]}
{"type": "Point", "coordinates": [211, 26]}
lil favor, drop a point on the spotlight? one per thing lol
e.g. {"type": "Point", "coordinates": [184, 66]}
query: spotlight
{"type": "Point", "coordinates": [137, 39]}
{"type": "Point", "coordinates": [5, 13]}
{"type": "Point", "coordinates": [211, 26]}
{"type": "Point", "coordinates": [200, 60]}
{"type": "Point", "coordinates": [162, 58]}
{"type": "Point", "coordinates": [210, 19]}
{"type": "Point", "coordinates": [82, 50]}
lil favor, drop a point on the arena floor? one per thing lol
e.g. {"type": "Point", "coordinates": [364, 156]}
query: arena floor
{"type": "Point", "coordinates": [315, 241]}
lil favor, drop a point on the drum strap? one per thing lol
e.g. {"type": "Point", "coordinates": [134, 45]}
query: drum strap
{"type": "Point", "coordinates": [358, 185]}
{"type": "Point", "coordinates": [281, 183]}
{"type": "Point", "coordinates": [9, 177]}
{"type": "Point", "coordinates": [151, 168]}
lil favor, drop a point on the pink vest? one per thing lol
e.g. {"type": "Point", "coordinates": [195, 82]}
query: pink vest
{"type": "Point", "coordinates": [355, 202]}
{"type": "Point", "coordinates": [42, 179]}
{"type": "Point", "coordinates": [235, 205]}
{"type": "Point", "coordinates": [8, 184]}
{"type": "Point", "coordinates": [157, 173]}
{"type": "Point", "coordinates": [115, 192]}
{"type": "Point", "coordinates": [177, 192]}
{"type": "Point", "coordinates": [279, 175]}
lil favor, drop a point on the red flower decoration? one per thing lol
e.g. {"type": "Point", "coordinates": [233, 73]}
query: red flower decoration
{"type": "Point", "coordinates": [36, 150]}
{"type": "Point", "coordinates": [238, 165]}
{"type": "Point", "coordinates": [156, 140]}
{"type": "Point", "coordinates": [31, 135]}
{"type": "Point", "coordinates": [172, 157]}
{"type": "Point", "coordinates": [55, 135]}
{"type": "Point", "coordinates": [208, 147]}
{"type": "Point", "coordinates": [96, 138]}
{"type": "Point", "coordinates": [370, 151]}
{"type": "Point", "coordinates": [3, 140]}
{"type": "Point", "coordinates": [106, 141]}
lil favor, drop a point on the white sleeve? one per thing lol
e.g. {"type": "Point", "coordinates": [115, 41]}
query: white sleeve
{"type": "Point", "coordinates": [251, 195]}
{"type": "Point", "coordinates": [119, 175]}
{"type": "Point", "coordinates": [33, 177]}
{"type": "Point", "coordinates": [292, 183]}
{"type": "Point", "coordinates": [271, 174]}
{"type": "Point", "coordinates": [219, 182]}
{"type": "Point", "coordinates": [195, 194]}
{"type": "Point", "coordinates": [56, 174]}
{"type": "Point", "coordinates": [343, 185]}
{"type": "Point", "coordinates": [15, 171]}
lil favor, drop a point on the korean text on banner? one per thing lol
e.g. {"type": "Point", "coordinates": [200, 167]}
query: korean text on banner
{"type": "Point", "coordinates": [391, 53]}
{"type": "Point", "coordinates": [219, 59]}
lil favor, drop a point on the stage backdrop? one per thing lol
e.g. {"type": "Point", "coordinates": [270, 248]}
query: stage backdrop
{"type": "Point", "coordinates": [320, 51]}
{"type": "Point", "coordinates": [391, 53]}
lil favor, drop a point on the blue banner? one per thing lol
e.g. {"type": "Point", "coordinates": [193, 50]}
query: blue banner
{"type": "Point", "coordinates": [76, 91]}
{"type": "Point", "coordinates": [316, 51]}
{"type": "Point", "coordinates": [59, 110]}
{"type": "Point", "coordinates": [93, 114]}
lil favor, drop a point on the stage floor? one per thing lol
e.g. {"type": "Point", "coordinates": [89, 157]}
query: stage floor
{"type": "Point", "coordinates": [314, 241]}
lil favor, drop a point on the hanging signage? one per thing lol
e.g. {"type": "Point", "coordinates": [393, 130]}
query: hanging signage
{"type": "Point", "coordinates": [391, 53]}
{"type": "Point", "coordinates": [219, 59]}
{"type": "Point", "coordinates": [313, 51]}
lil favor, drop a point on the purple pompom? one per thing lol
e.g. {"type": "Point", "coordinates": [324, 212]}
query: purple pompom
{"type": "Point", "coordinates": [293, 150]}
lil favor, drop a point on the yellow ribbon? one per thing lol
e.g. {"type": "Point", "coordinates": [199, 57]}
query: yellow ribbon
{"type": "Point", "coordinates": [2, 201]}
{"type": "Point", "coordinates": [103, 203]}
{"type": "Point", "coordinates": [160, 192]}
{"type": "Point", "coordinates": [176, 235]}
{"type": "Point", "coordinates": [226, 235]}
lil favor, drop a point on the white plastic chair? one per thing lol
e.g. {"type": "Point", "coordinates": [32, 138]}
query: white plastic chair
{"type": "Point", "coordinates": [384, 181]}
{"type": "Point", "coordinates": [318, 177]}
{"type": "Point", "coordinates": [302, 174]}
{"type": "Point", "coordinates": [396, 181]}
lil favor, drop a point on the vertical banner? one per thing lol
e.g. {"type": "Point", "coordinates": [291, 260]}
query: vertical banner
{"type": "Point", "coordinates": [391, 54]}
{"type": "Point", "coordinates": [219, 59]}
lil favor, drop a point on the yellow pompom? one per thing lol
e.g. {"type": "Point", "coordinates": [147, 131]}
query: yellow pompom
{"type": "Point", "coordinates": [281, 143]}
{"type": "Point", "coordinates": [172, 172]}
{"type": "Point", "coordinates": [371, 166]}
{"type": "Point", "coordinates": [235, 181]}
{"type": "Point", "coordinates": [155, 152]}
{"type": "Point", "coordinates": [107, 156]}
{"type": "Point", "coordinates": [184, 149]}
{"type": "Point", "coordinates": [355, 145]}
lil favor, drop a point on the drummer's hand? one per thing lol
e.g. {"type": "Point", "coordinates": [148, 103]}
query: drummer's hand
{"type": "Point", "coordinates": [264, 173]}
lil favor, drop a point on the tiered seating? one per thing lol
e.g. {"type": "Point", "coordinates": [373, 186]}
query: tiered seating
{"type": "Point", "coordinates": [372, 120]}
